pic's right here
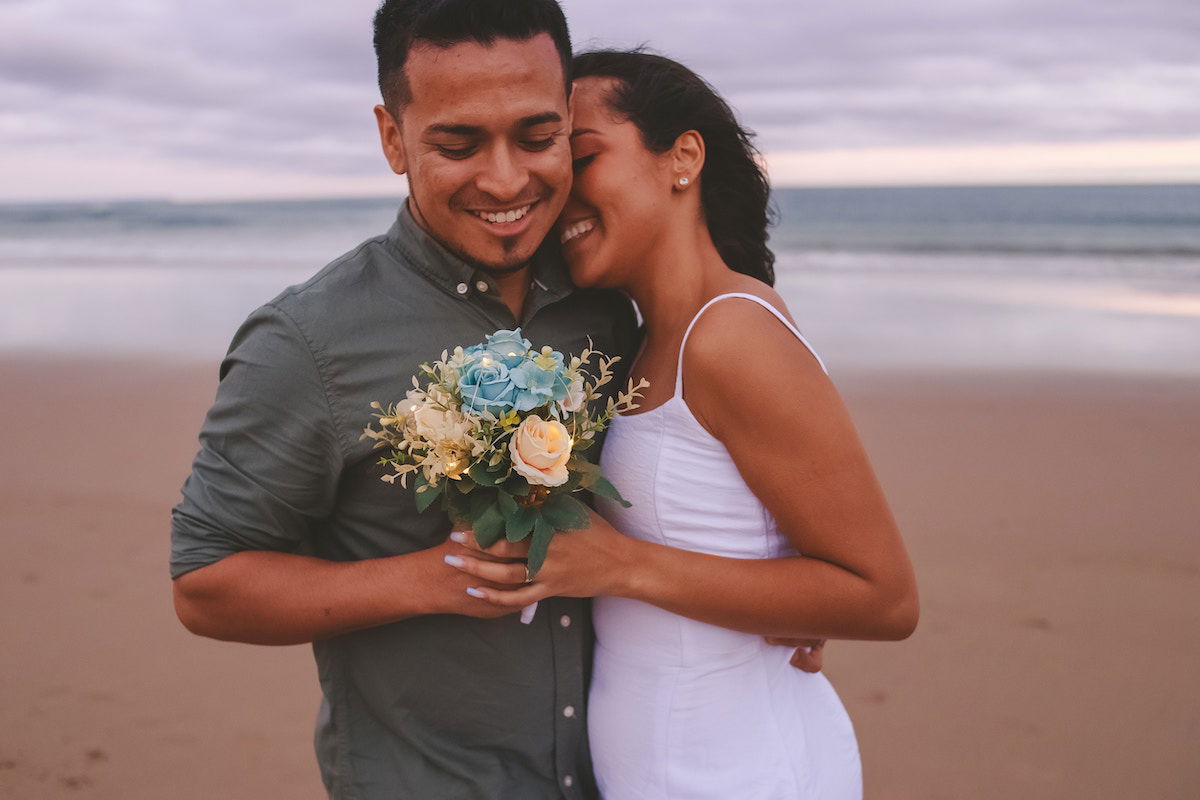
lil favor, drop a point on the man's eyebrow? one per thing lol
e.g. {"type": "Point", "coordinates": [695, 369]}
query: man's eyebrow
{"type": "Point", "coordinates": [539, 119]}
{"type": "Point", "coordinates": [454, 130]}
{"type": "Point", "coordinates": [458, 129]}
{"type": "Point", "coordinates": [582, 131]}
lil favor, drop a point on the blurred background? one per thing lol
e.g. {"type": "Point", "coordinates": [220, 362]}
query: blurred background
{"type": "Point", "coordinates": [989, 226]}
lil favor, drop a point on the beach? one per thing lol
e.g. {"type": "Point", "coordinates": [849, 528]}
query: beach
{"type": "Point", "coordinates": [1023, 364]}
{"type": "Point", "coordinates": [1050, 514]}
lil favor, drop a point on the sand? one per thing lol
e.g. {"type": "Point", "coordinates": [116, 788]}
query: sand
{"type": "Point", "coordinates": [1052, 519]}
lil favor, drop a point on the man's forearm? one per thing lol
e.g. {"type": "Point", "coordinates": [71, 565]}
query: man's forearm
{"type": "Point", "coordinates": [262, 597]}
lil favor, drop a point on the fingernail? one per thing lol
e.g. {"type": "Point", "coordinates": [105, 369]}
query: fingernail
{"type": "Point", "coordinates": [476, 593]}
{"type": "Point", "coordinates": [458, 536]}
{"type": "Point", "coordinates": [455, 561]}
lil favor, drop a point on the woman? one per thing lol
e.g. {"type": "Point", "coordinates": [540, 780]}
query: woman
{"type": "Point", "coordinates": [755, 512]}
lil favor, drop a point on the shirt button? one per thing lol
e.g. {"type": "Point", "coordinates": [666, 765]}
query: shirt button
{"type": "Point", "coordinates": [569, 711]}
{"type": "Point", "coordinates": [463, 288]}
{"type": "Point", "coordinates": [568, 781]}
{"type": "Point", "coordinates": [565, 621]}
{"type": "Point", "coordinates": [482, 286]}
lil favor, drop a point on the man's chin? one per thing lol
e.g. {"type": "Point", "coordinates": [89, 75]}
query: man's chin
{"type": "Point", "coordinates": [506, 259]}
{"type": "Point", "coordinates": [502, 270]}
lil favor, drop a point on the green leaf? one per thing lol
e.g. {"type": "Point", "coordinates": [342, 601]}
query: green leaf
{"type": "Point", "coordinates": [426, 494]}
{"type": "Point", "coordinates": [542, 534]}
{"type": "Point", "coordinates": [604, 488]}
{"type": "Point", "coordinates": [517, 527]}
{"type": "Point", "coordinates": [508, 506]}
{"type": "Point", "coordinates": [565, 513]}
{"type": "Point", "coordinates": [488, 527]}
{"type": "Point", "coordinates": [480, 502]}
{"type": "Point", "coordinates": [583, 444]}
{"type": "Point", "coordinates": [516, 486]}
{"type": "Point", "coordinates": [574, 480]}
{"type": "Point", "coordinates": [587, 471]}
{"type": "Point", "coordinates": [479, 473]}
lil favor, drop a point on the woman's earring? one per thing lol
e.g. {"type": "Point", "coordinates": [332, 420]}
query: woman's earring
{"type": "Point", "coordinates": [684, 181]}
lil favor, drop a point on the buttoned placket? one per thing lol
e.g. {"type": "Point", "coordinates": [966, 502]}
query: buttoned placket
{"type": "Point", "coordinates": [568, 698]}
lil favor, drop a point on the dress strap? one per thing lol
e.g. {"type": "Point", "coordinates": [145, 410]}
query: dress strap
{"type": "Point", "coordinates": [744, 296]}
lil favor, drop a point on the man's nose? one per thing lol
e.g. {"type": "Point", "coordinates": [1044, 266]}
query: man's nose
{"type": "Point", "coordinates": [503, 177]}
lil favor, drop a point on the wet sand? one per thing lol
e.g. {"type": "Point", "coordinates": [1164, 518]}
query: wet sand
{"type": "Point", "coordinates": [1052, 519]}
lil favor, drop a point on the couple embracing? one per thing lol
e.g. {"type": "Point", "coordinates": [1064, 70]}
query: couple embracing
{"type": "Point", "coordinates": [547, 191]}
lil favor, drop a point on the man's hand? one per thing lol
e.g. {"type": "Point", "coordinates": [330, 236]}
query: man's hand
{"type": "Point", "coordinates": [267, 597]}
{"type": "Point", "coordinates": [809, 652]}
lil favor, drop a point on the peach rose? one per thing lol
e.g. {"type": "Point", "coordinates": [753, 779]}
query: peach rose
{"type": "Point", "coordinates": [540, 450]}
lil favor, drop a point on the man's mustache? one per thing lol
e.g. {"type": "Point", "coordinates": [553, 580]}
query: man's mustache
{"type": "Point", "coordinates": [482, 201]}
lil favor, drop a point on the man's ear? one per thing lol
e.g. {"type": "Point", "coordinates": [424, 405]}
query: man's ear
{"type": "Point", "coordinates": [687, 157]}
{"type": "Point", "coordinates": [390, 139]}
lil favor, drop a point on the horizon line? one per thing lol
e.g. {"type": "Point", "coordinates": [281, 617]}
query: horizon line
{"type": "Point", "coordinates": [361, 196]}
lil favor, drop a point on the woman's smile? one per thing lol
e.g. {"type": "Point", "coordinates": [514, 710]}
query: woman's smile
{"type": "Point", "coordinates": [573, 231]}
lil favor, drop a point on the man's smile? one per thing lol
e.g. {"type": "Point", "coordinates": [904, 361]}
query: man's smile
{"type": "Point", "coordinates": [509, 215]}
{"type": "Point", "coordinates": [506, 222]}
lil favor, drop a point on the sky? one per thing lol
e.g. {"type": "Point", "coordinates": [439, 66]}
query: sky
{"type": "Point", "coordinates": [216, 99]}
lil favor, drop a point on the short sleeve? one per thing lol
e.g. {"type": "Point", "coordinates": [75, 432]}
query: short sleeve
{"type": "Point", "coordinates": [270, 456]}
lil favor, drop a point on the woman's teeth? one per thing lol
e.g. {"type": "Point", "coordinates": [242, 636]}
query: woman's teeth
{"type": "Point", "coordinates": [504, 216]}
{"type": "Point", "coordinates": [577, 229]}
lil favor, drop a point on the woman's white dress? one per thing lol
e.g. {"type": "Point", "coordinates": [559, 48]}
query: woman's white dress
{"type": "Point", "coordinates": [684, 710]}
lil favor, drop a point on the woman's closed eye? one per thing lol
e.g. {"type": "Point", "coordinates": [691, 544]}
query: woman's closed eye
{"type": "Point", "coordinates": [580, 164]}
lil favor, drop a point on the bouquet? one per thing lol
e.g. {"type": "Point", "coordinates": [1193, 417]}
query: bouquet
{"type": "Point", "coordinates": [498, 433]}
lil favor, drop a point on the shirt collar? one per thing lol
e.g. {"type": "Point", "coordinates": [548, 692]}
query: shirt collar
{"type": "Point", "coordinates": [459, 277]}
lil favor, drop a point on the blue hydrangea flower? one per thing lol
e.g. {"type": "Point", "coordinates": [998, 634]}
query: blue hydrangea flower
{"type": "Point", "coordinates": [537, 386]}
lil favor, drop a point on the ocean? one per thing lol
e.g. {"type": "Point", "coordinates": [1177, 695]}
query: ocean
{"type": "Point", "coordinates": [1096, 277]}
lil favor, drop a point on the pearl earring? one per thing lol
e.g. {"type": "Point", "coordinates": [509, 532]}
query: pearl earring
{"type": "Point", "coordinates": [684, 181]}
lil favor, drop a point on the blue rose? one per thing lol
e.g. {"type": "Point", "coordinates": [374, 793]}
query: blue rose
{"type": "Point", "coordinates": [487, 385]}
{"type": "Point", "coordinates": [508, 347]}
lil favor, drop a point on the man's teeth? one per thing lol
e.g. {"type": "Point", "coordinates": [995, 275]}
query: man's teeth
{"type": "Point", "coordinates": [504, 216]}
{"type": "Point", "coordinates": [578, 229]}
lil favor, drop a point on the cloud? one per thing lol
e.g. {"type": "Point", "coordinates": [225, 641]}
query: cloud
{"type": "Point", "coordinates": [887, 73]}
{"type": "Point", "coordinates": [273, 86]}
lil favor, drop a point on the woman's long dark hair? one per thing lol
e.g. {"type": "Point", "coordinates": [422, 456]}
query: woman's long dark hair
{"type": "Point", "coordinates": [664, 99]}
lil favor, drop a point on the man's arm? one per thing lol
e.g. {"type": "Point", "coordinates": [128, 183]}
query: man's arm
{"type": "Point", "coordinates": [262, 597]}
{"type": "Point", "coordinates": [267, 474]}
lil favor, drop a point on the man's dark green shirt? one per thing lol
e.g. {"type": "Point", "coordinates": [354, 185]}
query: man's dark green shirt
{"type": "Point", "coordinates": [431, 707]}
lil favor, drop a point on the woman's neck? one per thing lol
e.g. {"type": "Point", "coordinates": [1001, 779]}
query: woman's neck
{"type": "Point", "coordinates": [676, 277]}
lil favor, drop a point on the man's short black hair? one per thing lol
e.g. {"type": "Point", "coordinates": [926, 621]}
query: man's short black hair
{"type": "Point", "coordinates": [399, 24]}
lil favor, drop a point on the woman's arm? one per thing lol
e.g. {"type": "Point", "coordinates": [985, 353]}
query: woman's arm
{"type": "Point", "coordinates": [793, 442]}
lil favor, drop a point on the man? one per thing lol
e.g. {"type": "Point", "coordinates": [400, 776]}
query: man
{"type": "Point", "coordinates": [286, 533]}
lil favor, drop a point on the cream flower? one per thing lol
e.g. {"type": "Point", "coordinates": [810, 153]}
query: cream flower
{"type": "Point", "coordinates": [448, 435]}
{"type": "Point", "coordinates": [540, 450]}
{"type": "Point", "coordinates": [575, 397]}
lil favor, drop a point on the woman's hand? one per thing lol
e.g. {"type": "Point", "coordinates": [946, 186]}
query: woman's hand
{"type": "Point", "coordinates": [582, 563]}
